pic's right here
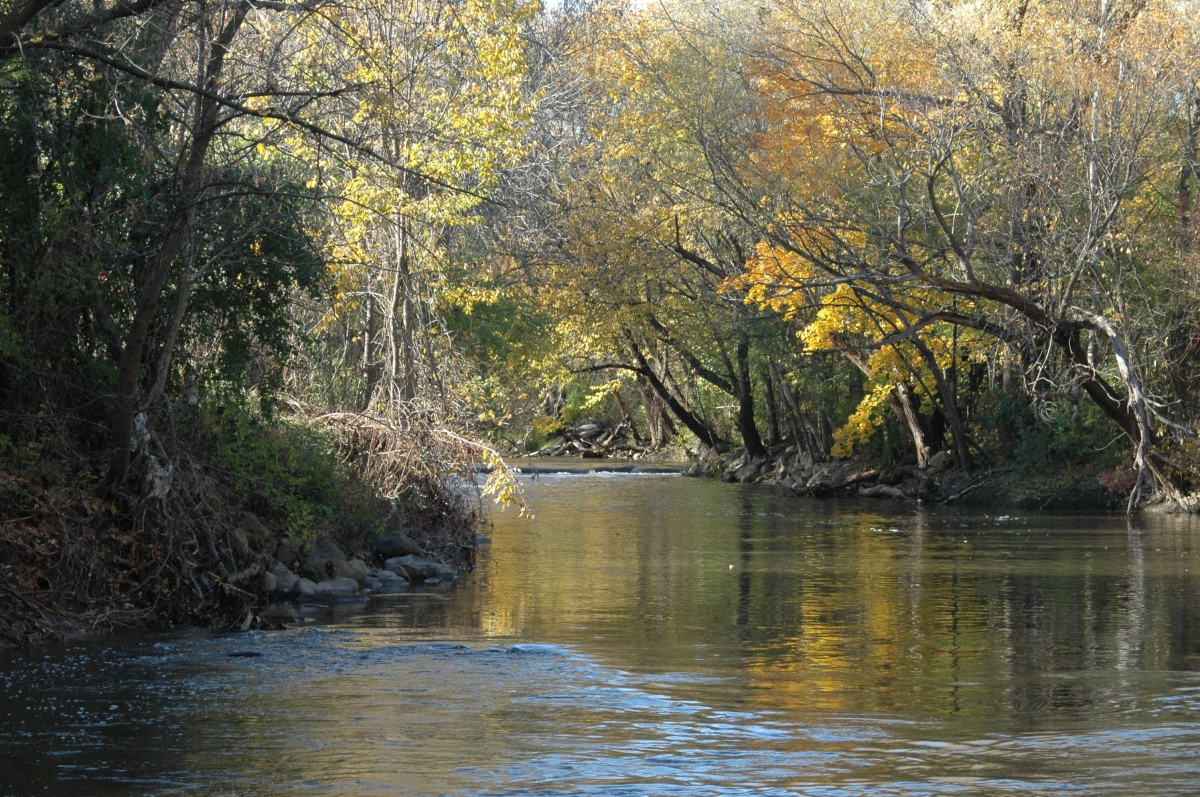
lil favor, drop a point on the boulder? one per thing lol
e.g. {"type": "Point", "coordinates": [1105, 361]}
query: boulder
{"type": "Point", "coordinates": [337, 586]}
{"type": "Point", "coordinates": [417, 569]}
{"type": "Point", "coordinates": [390, 580]}
{"type": "Point", "coordinates": [414, 568]}
{"type": "Point", "coordinates": [325, 562]}
{"type": "Point", "coordinates": [257, 535]}
{"type": "Point", "coordinates": [284, 579]}
{"type": "Point", "coordinates": [276, 614]}
{"type": "Point", "coordinates": [390, 583]}
{"type": "Point", "coordinates": [396, 545]}
{"type": "Point", "coordinates": [940, 461]}
{"type": "Point", "coordinates": [373, 584]}
{"type": "Point", "coordinates": [747, 473]}
{"type": "Point", "coordinates": [304, 588]}
{"type": "Point", "coordinates": [286, 554]}
{"type": "Point", "coordinates": [357, 570]}
{"type": "Point", "coordinates": [396, 565]}
{"type": "Point", "coordinates": [269, 582]}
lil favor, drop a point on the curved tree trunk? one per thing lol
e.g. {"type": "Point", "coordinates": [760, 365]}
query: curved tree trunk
{"type": "Point", "coordinates": [703, 432]}
{"type": "Point", "coordinates": [747, 426]}
{"type": "Point", "coordinates": [908, 410]}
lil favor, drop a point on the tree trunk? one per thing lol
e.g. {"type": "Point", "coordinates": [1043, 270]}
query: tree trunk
{"type": "Point", "coordinates": [371, 363]}
{"type": "Point", "coordinates": [658, 418]}
{"type": "Point", "coordinates": [958, 432]}
{"type": "Point", "coordinates": [404, 368]}
{"type": "Point", "coordinates": [907, 409]}
{"type": "Point", "coordinates": [773, 435]}
{"type": "Point", "coordinates": [191, 185]}
{"type": "Point", "coordinates": [705, 434]}
{"type": "Point", "coordinates": [168, 351]}
{"type": "Point", "coordinates": [1149, 476]}
{"type": "Point", "coordinates": [627, 416]}
{"type": "Point", "coordinates": [745, 396]}
{"type": "Point", "coordinates": [1189, 171]}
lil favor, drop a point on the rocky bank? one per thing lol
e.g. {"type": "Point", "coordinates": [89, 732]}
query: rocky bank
{"type": "Point", "coordinates": [939, 482]}
{"type": "Point", "coordinates": [325, 574]}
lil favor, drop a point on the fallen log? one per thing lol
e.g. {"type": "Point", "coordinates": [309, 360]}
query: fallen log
{"type": "Point", "coordinates": [979, 481]}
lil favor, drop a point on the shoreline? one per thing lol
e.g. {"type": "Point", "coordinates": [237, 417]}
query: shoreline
{"type": "Point", "coordinates": [1061, 488]}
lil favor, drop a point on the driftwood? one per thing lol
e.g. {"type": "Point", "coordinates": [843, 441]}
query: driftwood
{"type": "Point", "coordinates": [594, 439]}
{"type": "Point", "coordinates": [245, 573]}
{"type": "Point", "coordinates": [977, 482]}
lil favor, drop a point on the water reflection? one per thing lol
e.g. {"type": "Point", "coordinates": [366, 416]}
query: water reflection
{"type": "Point", "coordinates": [838, 607]}
{"type": "Point", "coordinates": [687, 638]}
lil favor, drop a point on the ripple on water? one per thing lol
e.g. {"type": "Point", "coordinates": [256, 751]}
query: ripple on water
{"type": "Point", "coordinates": [666, 636]}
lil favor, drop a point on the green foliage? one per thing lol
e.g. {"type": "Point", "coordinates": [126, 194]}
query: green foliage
{"type": "Point", "coordinates": [1006, 426]}
{"type": "Point", "coordinates": [288, 472]}
{"type": "Point", "coordinates": [255, 260]}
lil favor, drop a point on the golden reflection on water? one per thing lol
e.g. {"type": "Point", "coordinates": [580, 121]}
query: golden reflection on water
{"type": "Point", "coordinates": [850, 607]}
{"type": "Point", "coordinates": [700, 639]}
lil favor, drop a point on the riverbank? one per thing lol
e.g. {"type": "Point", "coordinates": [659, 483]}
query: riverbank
{"type": "Point", "coordinates": [1062, 486]}
{"type": "Point", "coordinates": [226, 516]}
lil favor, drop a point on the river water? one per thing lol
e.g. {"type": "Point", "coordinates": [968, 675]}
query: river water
{"type": "Point", "coordinates": [659, 635]}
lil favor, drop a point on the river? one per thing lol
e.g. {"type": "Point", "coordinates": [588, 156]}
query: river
{"type": "Point", "coordinates": [649, 634]}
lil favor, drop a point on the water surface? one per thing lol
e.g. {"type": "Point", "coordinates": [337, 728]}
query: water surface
{"type": "Point", "coordinates": [649, 634]}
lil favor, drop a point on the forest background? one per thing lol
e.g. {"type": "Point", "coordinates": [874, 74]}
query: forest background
{"type": "Point", "coordinates": [317, 260]}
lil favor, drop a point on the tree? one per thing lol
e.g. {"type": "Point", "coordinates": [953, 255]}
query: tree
{"type": "Point", "coordinates": [1009, 155]}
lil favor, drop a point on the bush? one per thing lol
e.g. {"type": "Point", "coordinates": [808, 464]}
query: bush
{"type": "Point", "coordinates": [288, 472]}
{"type": "Point", "coordinates": [1007, 427]}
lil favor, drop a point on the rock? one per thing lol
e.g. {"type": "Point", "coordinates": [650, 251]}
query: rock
{"type": "Point", "coordinates": [278, 614]}
{"type": "Point", "coordinates": [414, 568]}
{"type": "Point", "coordinates": [304, 588]}
{"type": "Point", "coordinates": [285, 579]}
{"type": "Point", "coordinates": [397, 565]}
{"type": "Point", "coordinates": [747, 473]}
{"type": "Point", "coordinates": [239, 544]}
{"type": "Point", "coordinates": [337, 586]}
{"type": "Point", "coordinates": [269, 582]}
{"type": "Point", "coordinates": [257, 535]}
{"type": "Point", "coordinates": [827, 474]}
{"type": "Point", "coordinates": [388, 578]}
{"type": "Point", "coordinates": [396, 545]}
{"type": "Point", "coordinates": [372, 584]}
{"type": "Point", "coordinates": [286, 554]}
{"type": "Point", "coordinates": [357, 570]}
{"type": "Point", "coordinates": [325, 562]}
{"type": "Point", "coordinates": [390, 582]}
{"type": "Point", "coordinates": [940, 461]}
{"type": "Point", "coordinates": [882, 491]}
{"type": "Point", "coordinates": [734, 464]}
